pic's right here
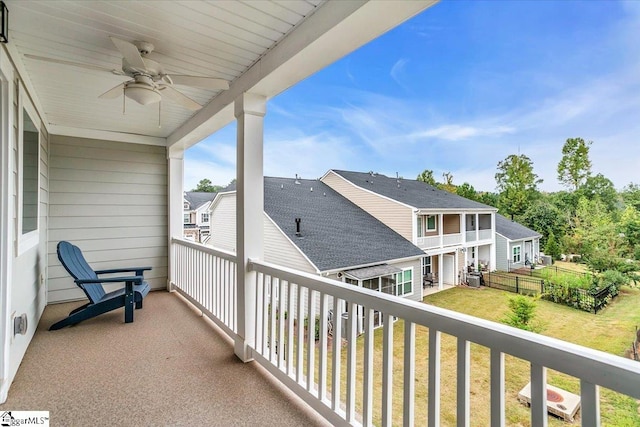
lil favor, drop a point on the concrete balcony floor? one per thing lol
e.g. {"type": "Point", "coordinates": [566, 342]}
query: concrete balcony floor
{"type": "Point", "coordinates": [169, 367]}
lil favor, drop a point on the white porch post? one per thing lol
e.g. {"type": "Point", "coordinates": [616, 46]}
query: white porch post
{"type": "Point", "coordinates": [440, 270]}
{"type": "Point", "coordinates": [175, 172]}
{"type": "Point", "coordinates": [492, 247]}
{"type": "Point", "coordinates": [440, 229]}
{"type": "Point", "coordinates": [463, 227]}
{"type": "Point", "coordinates": [249, 111]}
{"type": "Point", "coordinates": [477, 227]}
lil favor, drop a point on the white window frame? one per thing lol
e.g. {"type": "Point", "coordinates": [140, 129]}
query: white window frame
{"type": "Point", "coordinates": [519, 254]}
{"type": "Point", "coordinates": [202, 214]}
{"type": "Point", "coordinates": [398, 283]}
{"type": "Point", "coordinates": [186, 218]}
{"type": "Point", "coordinates": [28, 240]}
{"type": "Point", "coordinates": [423, 224]}
{"type": "Point", "coordinates": [427, 264]}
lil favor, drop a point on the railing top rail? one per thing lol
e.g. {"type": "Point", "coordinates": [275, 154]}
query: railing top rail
{"type": "Point", "coordinates": [220, 253]}
{"type": "Point", "coordinates": [596, 367]}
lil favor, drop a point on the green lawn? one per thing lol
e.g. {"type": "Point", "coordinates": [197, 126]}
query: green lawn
{"type": "Point", "coordinates": [612, 330]}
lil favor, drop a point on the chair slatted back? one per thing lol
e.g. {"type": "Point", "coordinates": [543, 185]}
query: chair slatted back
{"type": "Point", "coordinates": [73, 261]}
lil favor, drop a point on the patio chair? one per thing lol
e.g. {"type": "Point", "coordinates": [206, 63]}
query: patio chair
{"type": "Point", "coordinates": [100, 301]}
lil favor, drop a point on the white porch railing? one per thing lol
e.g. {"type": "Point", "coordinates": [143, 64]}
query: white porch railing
{"type": "Point", "coordinates": [207, 278]}
{"type": "Point", "coordinates": [470, 236]}
{"type": "Point", "coordinates": [288, 302]}
{"type": "Point", "coordinates": [484, 234]}
{"type": "Point", "coordinates": [451, 239]}
{"type": "Point", "coordinates": [428, 242]}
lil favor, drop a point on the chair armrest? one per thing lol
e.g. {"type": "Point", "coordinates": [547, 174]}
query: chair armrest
{"type": "Point", "coordinates": [137, 279]}
{"type": "Point", "coordinates": [137, 270]}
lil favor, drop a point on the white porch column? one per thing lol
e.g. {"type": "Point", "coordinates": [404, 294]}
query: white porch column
{"type": "Point", "coordinates": [463, 227]}
{"type": "Point", "coordinates": [249, 111]}
{"type": "Point", "coordinates": [175, 162]}
{"type": "Point", "coordinates": [477, 227]}
{"type": "Point", "coordinates": [441, 228]}
{"type": "Point", "coordinates": [492, 248]}
{"type": "Point", "coordinates": [440, 268]}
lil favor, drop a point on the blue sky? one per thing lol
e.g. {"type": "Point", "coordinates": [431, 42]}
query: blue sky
{"type": "Point", "coordinates": [457, 89]}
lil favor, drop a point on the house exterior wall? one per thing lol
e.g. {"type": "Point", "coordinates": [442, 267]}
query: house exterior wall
{"type": "Point", "coordinates": [110, 199]}
{"type": "Point", "coordinates": [450, 223]}
{"type": "Point", "coordinates": [502, 253]}
{"type": "Point", "coordinates": [277, 248]}
{"type": "Point", "coordinates": [398, 217]}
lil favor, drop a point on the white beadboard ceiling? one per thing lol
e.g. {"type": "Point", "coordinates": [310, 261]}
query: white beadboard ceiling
{"type": "Point", "coordinates": [206, 38]}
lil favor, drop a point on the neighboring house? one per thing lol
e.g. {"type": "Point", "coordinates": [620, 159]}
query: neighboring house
{"type": "Point", "coordinates": [310, 227]}
{"type": "Point", "coordinates": [196, 215]}
{"type": "Point", "coordinates": [457, 234]}
{"type": "Point", "coordinates": [516, 245]}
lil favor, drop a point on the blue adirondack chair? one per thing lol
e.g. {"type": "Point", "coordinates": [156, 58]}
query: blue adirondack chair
{"type": "Point", "coordinates": [100, 301]}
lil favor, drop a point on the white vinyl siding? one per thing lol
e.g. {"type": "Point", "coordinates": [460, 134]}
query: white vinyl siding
{"type": "Point", "coordinates": [110, 199]}
{"type": "Point", "coordinates": [277, 248]}
{"type": "Point", "coordinates": [394, 215]}
{"type": "Point", "coordinates": [502, 253]}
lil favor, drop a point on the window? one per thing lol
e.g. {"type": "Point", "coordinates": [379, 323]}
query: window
{"type": "Point", "coordinates": [28, 179]}
{"type": "Point", "coordinates": [204, 217]}
{"type": "Point", "coordinates": [426, 223]}
{"type": "Point", "coordinates": [516, 254]}
{"type": "Point", "coordinates": [186, 205]}
{"type": "Point", "coordinates": [187, 218]}
{"type": "Point", "coordinates": [426, 265]}
{"type": "Point", "coordinates": [404, 282]}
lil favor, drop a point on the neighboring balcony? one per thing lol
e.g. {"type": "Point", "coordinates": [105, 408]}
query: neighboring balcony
{"type": "Point", "coordinates": [473, 235]}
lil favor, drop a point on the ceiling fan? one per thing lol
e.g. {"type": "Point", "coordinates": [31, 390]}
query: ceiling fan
{"type": "Point", "coordinates": [149, 82]}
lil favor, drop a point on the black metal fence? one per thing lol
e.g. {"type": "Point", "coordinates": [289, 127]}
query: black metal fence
{"type": "Point", "coordinates": [583, 299]}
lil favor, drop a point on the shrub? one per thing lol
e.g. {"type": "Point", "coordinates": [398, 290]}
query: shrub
{"type": "Point", "coordinates": [522, 313]}
{"type": "Point", "coordinates": [552, 247]}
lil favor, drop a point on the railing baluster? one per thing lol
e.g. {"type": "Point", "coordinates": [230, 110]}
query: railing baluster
{"type": "Point", "coordinates": [387, 370]}
{"type": "Point", "coordinates": [434, 378]}
{"type": "Point", "coordinates": [463, 383]}
{"type": "Point", "coordinates": [272, 319]}
{"type": "Point", "coordinates": [589, 404]}
{"type": "Point", "coordinates": [280, 316]}
{"type": "Point", "coordinates": [538, 395]}
{"type": "Point", "coordinates": [351, 362]}
{"type": "Point", "coordinates": [367, 391]}
{"type": "Point", "coordinates": [311, 340]}
{"type": "Point", "coordinates": [259, 307]}
{"type": "Point", "coordinates": [266, 284]}
{"type": "Point", "coordinates": [290, 333]}
{"type": "Point", "coordinates": [497, 388]}
{"type": "Point", "coordinates": [300, 337]}
{"type": "Point", "coordinates": [336, 353]}
{"type": "Point", "coordinates": [322, 374]}
{"type": "Point", "coordinates": [409, 373]}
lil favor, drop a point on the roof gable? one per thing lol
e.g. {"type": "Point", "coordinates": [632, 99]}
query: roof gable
{"type": "Point", "coordinates": [196, 199]}
{"type": "Point", "coordinates": [513, 230]}
{"type": "Point", "coordinates": [410, 192]}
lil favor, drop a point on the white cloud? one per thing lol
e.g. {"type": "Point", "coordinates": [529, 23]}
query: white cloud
{"type": "Point", "coordinates": [462, 132]}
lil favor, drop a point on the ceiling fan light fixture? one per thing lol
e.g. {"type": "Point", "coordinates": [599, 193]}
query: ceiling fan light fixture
{"type": "Point", "coordinates": [142, 94]}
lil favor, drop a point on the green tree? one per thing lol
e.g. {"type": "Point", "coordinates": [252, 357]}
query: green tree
{"type": "Point", "coordinates": [546, 218]}
{"type": "Point", "coordinates": [205, 186]}
{"type": "Point", "coordinates": [488, 198]}
{"type": "Point", "coordinates": [516, 183]}
{"type": "Point", "coordinates": [427, 176]}
{"type": "Point", "coordinates": [629, 227]}
{"type": "Point", "coordinates": [575, 166]}
{"type": "Point", "coordinates": [594, 232]}
{"type": "Point", "coordinates": [631, 195]}
{"type": "Point", "coordinates": [447, 184]}
{"type": "Point", "coordinates": [601, 187]}
{"type": "Point", "coordinates": [552, 248]}
{"type": "Point", "coordinates": [467, 191]}
{"type": "Point", "coordinates": [522, 313]}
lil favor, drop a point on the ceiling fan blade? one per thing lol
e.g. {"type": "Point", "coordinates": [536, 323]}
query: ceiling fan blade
{"type": "Point", "coordinates": [180, 98]}
{"type": "Point", "coordinates": [130, 52]}
{"type": "Point", "coordinates": [202, 82]}
{"type": "Point", "coordinates": [73, 64]}
{"type": "Point", "coordinates": [114, 92]}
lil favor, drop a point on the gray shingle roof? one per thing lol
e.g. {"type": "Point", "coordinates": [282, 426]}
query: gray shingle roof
{"type": "Point", "coordinates": [335, 233]}
{"type": "Point", "coordinates": [513, 230]}
{"type": "Point", "coordinates": [198, 198]}
{"type": "Point", "coordinates": [410, 192]}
